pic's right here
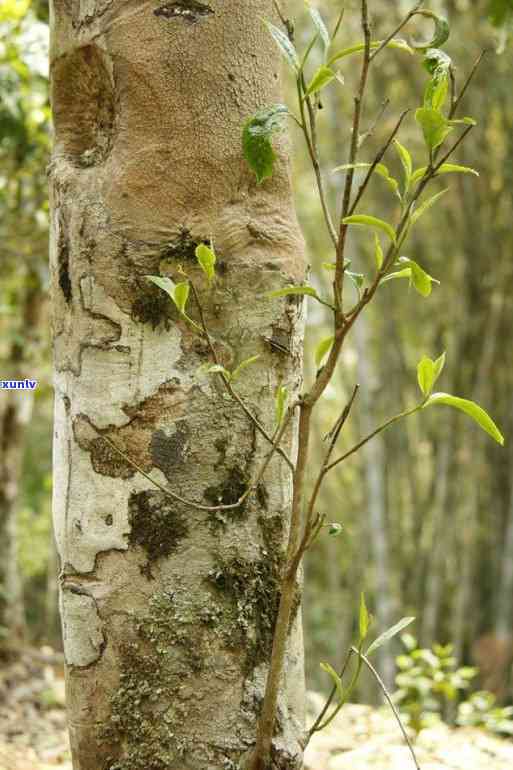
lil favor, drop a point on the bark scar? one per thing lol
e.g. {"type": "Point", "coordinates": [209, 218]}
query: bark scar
{"type": "Point", "coordinates": [190, 11]}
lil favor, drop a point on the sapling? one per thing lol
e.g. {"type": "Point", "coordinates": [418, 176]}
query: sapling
{"type": "Point", "coordinates": [443, 133]}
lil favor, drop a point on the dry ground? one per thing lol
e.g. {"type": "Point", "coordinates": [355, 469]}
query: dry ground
{"type": "Point", "coordinates": [33, 730]}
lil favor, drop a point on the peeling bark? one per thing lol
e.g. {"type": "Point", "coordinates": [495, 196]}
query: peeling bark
{"type": "Point", "coordinates": [166, 663]}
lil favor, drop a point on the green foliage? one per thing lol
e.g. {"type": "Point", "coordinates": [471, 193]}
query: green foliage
{"type": "Point", "coordinates": [481, 710]}
{"type": "Point", "coordinates": [207, 260]}
{"type": "Point", "coordinates": [441, 32]}
{"type": "Point", "coordinates": [256, 139]}
{"type": "Point", "coordinates": [470, 408]}
{"type": "Point", "coordinates": [501, 11]}
{"type": "Point", "coordinates": [428, 372]}
{"type": "Point", "coordinates": [428, 679]}
{"type": "Point", "coordinates": [364, 220]}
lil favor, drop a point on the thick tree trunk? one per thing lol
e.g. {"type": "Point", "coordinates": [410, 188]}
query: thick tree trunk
{"type": "Point", "coordinates": [168, 610]}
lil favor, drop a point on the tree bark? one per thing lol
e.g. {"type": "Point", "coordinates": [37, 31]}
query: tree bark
{"type": "Point", "coordinates": [168, 611]}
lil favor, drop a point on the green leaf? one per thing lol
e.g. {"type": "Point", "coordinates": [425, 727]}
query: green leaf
{"type": "Point", "coordinates": [364, 619]}
{"type": "Point", "coordinates": [387, 635]}
{"type": "Point", "coordinates": [426, 205]}
{"type": "Point", "coordinates": [368, 221]}
{"type": "Point", "coordinates": [207, 260]}
{"type": "Point", "coordinates": [282, 395]}
{"type": "Point", "coordinates": [179, 292]}
{"type": "Point", "coordinates": [349, 166]}
{"type": "Point", "coordinates": [337, 681]}
{"type": "Point", "coordinates": [288, 290]}
{"type": "Point", "coordinates": [441, 32]}
{"type": "Point", "coordinates": [215, 369]}
{"type": "Point", "coordinates": [397, 43]}
{"type": "Point", "coordinates": [243, 365]}
{"type": "Point", "coordinates": [323, 349]}
{"type": "Point", "coordinates": [421, 281]}
{"type": "Point", "coordinates": [181, 295]}
{"type": "Point", "coordinates": [335, 529]}
{"type": "Point", "coordinates": [438, 64]}
{"type": "Point", "coordinates": [472, 409]}
{"type": "Point", "coordinates": [320, 80]}
{"type": "Point", "coordinates": [285, 46]}
{"type": "Point", "coordinates": [445, 168]}
{"type": "Point", "coordinates": [329, 266]}
{"type": "Point", "coordinates": [356, 279]}
{"type": "Point", "coordinates": [434, 125]}
{"type": "Point", "coordinates": [428, 372]}
{"type": "Point", "coordinates": [319, 25]}
{"type": "Point", "coordinates": [166, 284]}
{"type": "Point", "coordinates": [406, 273]}
{"type": "Point", "coordinates": [378, 252]}
{"type": "Point", "coordinates": [392, 182]}
{"type": "Point", "coordinates": [406, 161]}
{"type": "Point", "coordinates": [256, 139]}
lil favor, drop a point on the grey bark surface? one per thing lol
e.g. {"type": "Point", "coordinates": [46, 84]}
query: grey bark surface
{"type": "Point", "coordinates": [167, 610]}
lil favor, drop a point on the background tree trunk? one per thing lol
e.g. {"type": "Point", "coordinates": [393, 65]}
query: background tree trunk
{"type": "Point", "coordinates": [168, 611]}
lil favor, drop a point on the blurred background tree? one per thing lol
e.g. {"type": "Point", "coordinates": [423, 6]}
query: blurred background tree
{"type": "Point", "coordinates": [427, 509]}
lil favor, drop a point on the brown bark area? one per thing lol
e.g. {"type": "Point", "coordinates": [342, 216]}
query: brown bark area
{"type": "Point", "coordinates": [167, 611]}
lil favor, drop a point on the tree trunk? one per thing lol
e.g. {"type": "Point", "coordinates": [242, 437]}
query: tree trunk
{"type": "Point", "coordinates": [168, 610]}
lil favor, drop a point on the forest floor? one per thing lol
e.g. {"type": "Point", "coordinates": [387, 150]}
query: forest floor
{"type": "Point", "coordinates": [33, 730]}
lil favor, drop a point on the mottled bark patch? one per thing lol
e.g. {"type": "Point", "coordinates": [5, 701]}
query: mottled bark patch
{"type": "Point", "coordinates": [156, 525]}
{"type": "Point", "coordinates": [183, 248]}
{"type": "Point", "coordinates": [152, 306]}
{"type": "Point", "coordinates": [63, 261]}
{"type": "Point", "coordinates": [170, 450]}
{"type": "Point", "coordinates": [228, 492]}
{"type": "Point", "coordinates": [251, 589]}
{"type": "Point", "coordinates": [104, 458]}
{"type": "Point", "coordinates": [83, 106]}
{"type": "Point", "coordinates": [189, 11]}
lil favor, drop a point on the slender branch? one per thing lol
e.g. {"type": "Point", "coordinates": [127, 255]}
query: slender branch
{"type": "Point", "coordinates": [256, 422]}
{"type": "Point", "coordinates": [313, 151]}
{"type": "Point", "coordinates": [338, 283]}
{"type": "Point", "coordinates": [457, 101]}
{"type": "Point", "coordinates": [377, 160]}
{"type": "Point", "coordinates": [399, 27]}
{"type": "Point", "coordinates": [338, 23]}
{"type": "Point", "coordinates": [390, 703]}
{"type": "Point", "coordinates": [315, 727]}
{"type": "Point", "coordinates": [367, 134]}
{"type": "Point", "coordinates": [374, 433]}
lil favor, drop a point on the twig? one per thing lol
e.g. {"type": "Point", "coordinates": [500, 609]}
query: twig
{"type": "Point", "coordinates": [468, 81]}
{"type": "Point", "coordinates": [390, 703]}
{"type": "Point", "coordinates": [314, 728]}
{"type": "Point", "coordinates": [372, 435]}
{"type": "Point", "coordinates": [338, 283]}
{"type": "Point", "coordinates": [367, 134]}
{"type": "Point", "coordinates": [402, 24]}
{"type": "Point", "coordinates": [377, 160]}
{"type": "Point", "coordinates": [339, 22]}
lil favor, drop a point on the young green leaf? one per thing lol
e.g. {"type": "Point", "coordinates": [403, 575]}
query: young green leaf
{"type": "Point", "coordinates": [445, 168]}
{"type": "Point", "coordinates": [181, 295]}
{"type": "Point", "coordinates": [215, 369]}
{"type": "Point", "coordinates": [397, 43]}
{"type": "Point", "coordinates": [378, 252]}
{"type": "Point", "coordinates": [389, 634]}
{"type": "Point", "coordinates": [435, 126]}
{"type": "Point", "coordinates": [207, 260]}
{"type": "Point", "coordinates": [320, 80]}
{"type": "Point", "coordinates": [368, 221]}
{"type": "Point", "coordinates": [356, 279]}
{"type": "Point", "coordinates": [421, 281]}
{"type": "Point", "coordinates": [336, 680]}
{"type": "Point", "coordinates": [428, 372]}
{"type": "Point", "coordinates": [285, 46]}
{"type": "Point", "coordinates": [319, 25]}
{"type": "Point", "coordinates": [472, 409]}
{"type": "Point", "coordinates": [406, 273]}
{"type": "Point", "coordinates": [364, 619]}
{"type": "Point", "coordinates": [282, 395]}
{"type": "Point", "coordinates": [426, 205]}
{"type": "Point", "coordinates": [392, 182]}
{"type": "Point", "coordinates": [335, 529]}
{"type": "Point", "coordinates": [323, 349]}
{"type": "Point", "coordinates": [441, 33]}
{"type": "Point", "coordinates": [243, 365]}
{"type": "Point", "coordinates": [406, 161]}
{"type": "Point", "coordinates": [349, 166]}
{"type": "Point", "coordinates": [289, 290]}
{"type": "Point", "coordinates": [256, 139]}
{"type": "Point", "coordinates": [166, 284]}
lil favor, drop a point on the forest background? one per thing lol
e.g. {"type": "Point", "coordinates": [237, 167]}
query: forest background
{"type": "Point", "coordinates": [427, 508]}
